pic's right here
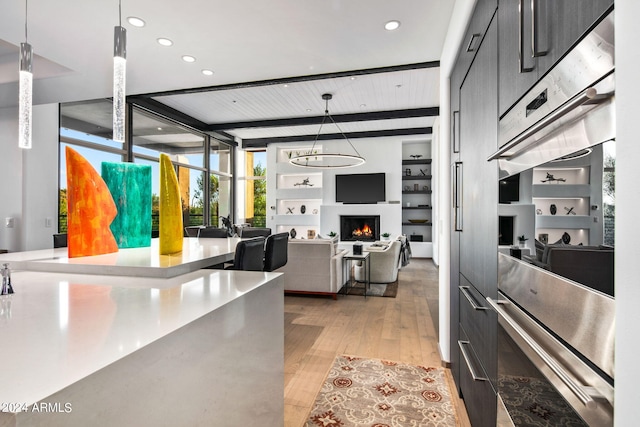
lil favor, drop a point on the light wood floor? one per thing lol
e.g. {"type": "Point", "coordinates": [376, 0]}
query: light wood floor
{"type": "Point", "coordinates": [400, 329]}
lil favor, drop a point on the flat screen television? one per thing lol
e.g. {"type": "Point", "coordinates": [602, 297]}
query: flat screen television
{"type": "Point", "coordinates": [509, 189]}
{"type": "Point", "coordinates": [361, 188]}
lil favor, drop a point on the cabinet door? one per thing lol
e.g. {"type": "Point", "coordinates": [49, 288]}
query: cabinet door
{"type": "Point", "coordinates": [517, 67]}
{"type": "Point", "coordinates": [565, 22]}
{"type": "Point", "coordinates": [479, 135]}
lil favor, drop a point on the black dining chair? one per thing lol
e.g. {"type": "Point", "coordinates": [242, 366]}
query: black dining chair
{"type": "Point", "coordinates": [276, 251]}
{"type": "Point", "coordinates": [249, 255]}
{"type": "Point", "coordinates": [60, 240]}
{"type": "Point", "coordinates": [213, 232]}
{"type": "Point", "coordinates": [249, 232]}
{"type": "Point", "coordinates": [192, 230]}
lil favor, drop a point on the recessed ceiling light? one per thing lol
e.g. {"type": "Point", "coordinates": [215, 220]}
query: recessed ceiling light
{"type": "Point", "coordinates": [207, 72]}
{"type": "Point", "coordinates": [308, 110]}
{"type": "Point", "coordinates": [363, 105]}
{"type": "Point", "coordinates": [285, 85]}
{"type": "Point", "coordinates": [159, 128]}
{"type": "Point", "coordinates": [135, 21]}
{"type": "Point", "coordinates": [188, 58]}
{"type": "Point", "coordinates": [164, 42]}
{"type": "Point", "coordinates": [392, 25]}
{"type": "Point", "coordinates": [353, 77]}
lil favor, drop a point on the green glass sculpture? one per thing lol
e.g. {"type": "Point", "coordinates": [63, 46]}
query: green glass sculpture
{"type": "Point", "coordinates": [130, 187]}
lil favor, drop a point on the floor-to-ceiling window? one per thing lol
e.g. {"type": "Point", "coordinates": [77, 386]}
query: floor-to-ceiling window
{"type": "Point", "coordinates": [256, 188]}
{"type": "Point", "coordinates": [206, 181]}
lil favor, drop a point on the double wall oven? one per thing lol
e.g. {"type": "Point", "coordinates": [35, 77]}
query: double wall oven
{"type": "Point", "coordinates": [556, 335]}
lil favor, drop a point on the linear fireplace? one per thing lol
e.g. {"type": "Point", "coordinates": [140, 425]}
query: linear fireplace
{"type": "Point", "coordinates": [365, 228]}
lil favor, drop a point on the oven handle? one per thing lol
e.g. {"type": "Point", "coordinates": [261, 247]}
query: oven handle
{"type": "Point", "coordinates": [577, 389]}
{"type": "Point", "coordinates": [587, 95]}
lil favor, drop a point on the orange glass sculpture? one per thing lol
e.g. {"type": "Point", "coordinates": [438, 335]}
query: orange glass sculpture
{"type": "Point", "coordinates": [90, 209]}
{"type": "Point", "coordinates": [171, 232]}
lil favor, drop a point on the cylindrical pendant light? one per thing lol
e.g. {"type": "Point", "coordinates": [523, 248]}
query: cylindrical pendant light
{"type": "Point", "coordinates": [119, 79]}
{"type": "Point", "coordinates": [25, 94]}
{"type": "Point", "coordinates": [25, 100]}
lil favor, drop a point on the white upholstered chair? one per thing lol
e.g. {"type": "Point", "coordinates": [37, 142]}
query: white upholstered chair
{"type": "Point", "coordinates": [384, 264]}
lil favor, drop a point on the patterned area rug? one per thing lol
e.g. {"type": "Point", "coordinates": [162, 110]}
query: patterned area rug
{"type": "Point", "coordinates": [380, 393]}
{"type": "Point", "coordinates": [534, 402]}
{"type": "Point", "coordinates": [376, 289]}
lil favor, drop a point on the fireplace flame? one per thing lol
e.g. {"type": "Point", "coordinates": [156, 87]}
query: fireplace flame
{"type": "Point", "coordinates": [364, 232]}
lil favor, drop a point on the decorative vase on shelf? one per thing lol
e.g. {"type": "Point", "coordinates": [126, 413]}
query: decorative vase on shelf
{"type": "Point", "coordinates": [553, 209]}
{"type": "Point", "coordinates": [293, 233]}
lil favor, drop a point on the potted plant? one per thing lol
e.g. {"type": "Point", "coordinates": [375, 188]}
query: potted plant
{"type": "Point", "coordinates": [385, 236]}
{"type": "Point", "coordinates": [521, 240]}
{"type": "Point", "coordinates": [332, 234]}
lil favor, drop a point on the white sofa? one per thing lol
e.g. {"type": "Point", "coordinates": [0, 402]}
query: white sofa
{"type": "Point", "coordinates": [314, 267]}
{"type": "Point", "coordinates": [384, 263]}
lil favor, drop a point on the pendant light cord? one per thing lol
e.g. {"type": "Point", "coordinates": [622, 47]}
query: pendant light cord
{"type": "Point", "coordinates": [26, 4]}
{"type": "Point", "coordinates": [120, 13]}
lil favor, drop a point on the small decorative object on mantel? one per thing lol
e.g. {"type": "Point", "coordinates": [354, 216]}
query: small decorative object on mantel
{"type": "Point", "coordinates": [415, 156]}
{"type": "Point", "coordinates": [407, 172]}
{"type": "Point", "coordinates": [553, 209]}
{"type": "Point", "coordinates": [566, 238]}
{"type": "Point", "coordinates": [551, 178]}
{"type": "Point", "coordinates": [293, 233]}
{"type": "Point", "coordinates": [303, 209]}
{"type": "Point", "coordinates": [521, 240]}
{"type": "Point", "coordinates": [304, 182]}
{"type": "Point", "coordinates": [385, 236]}
{"type": "Point", "coordinates": [311, 234]}
{"type": "Point", "coordinates": [569, 210]}
{"type": "Point", "coordinates": [332, 234]}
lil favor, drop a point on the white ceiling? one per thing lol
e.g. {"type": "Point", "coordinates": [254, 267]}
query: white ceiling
{"type": "Point", "coordinates": [241, 42]}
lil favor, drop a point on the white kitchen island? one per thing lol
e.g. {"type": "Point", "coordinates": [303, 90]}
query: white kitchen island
{"type": "Point", "coordinates": [202, 349]}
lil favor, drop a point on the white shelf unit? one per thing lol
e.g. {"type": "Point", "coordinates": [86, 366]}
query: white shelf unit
{"type": "Point", "coordinates": [295, 195]}
{"type": "Point", "coordinates": [416, 195]}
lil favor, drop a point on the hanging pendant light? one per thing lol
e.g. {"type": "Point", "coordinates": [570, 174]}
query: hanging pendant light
{"type": "Point", "coordinates": [25, 100]}
{"type": "Point", "coordinates": [119, 77]}
{"type": "Point", "coordinates": [323, 160]}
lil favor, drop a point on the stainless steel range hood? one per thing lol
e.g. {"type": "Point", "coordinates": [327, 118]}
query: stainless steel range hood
{"type": "Point", "coordinates": [569, 109]}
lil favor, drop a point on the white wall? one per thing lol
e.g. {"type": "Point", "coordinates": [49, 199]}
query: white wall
{"type": "Point", "coordinates": [29, 191]}
{"type": "Point", "coordinates": [11, 180]}
{"type": "Point", "coordinates": [627, 208]}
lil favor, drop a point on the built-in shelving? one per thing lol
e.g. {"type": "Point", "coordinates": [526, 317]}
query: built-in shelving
{"type": "Point", "coordinates": [416, 193]}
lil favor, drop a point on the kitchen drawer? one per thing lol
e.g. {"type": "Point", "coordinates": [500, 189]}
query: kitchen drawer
{"type": "Point", "coordinates": [477, 391]}
{"type": "Point", "coordinates": [480, 323]}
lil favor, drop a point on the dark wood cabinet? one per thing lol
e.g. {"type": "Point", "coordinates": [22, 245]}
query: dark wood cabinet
{"type": "Point", "coordinates": [550, 27]}
{"type": "Point", "coordinates": [474, 233]}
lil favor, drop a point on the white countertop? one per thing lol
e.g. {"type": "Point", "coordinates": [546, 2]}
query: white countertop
{"type": "Point", "coordinates": [196, 253]}
{"type": "Point", "coordinates": [59, 328]}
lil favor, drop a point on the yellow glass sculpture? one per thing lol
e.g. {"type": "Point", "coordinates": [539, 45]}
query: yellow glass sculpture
{"type": "Point", "coordinates": [90, 208]}
{"type": "Point", "coordinates": [170, 209]}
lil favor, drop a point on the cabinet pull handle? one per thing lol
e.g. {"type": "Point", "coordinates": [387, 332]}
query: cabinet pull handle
{"type": "Point", "coordinates": [471, 46]}
{"type": "Point", "coordinates": [521, 66]}
{"type": "Point", "coordinates": [469, 297]}
{"type": "Point", "coordinates": [587, 96]}
{"type": "Point", "coordinates": [534, 31]}
{"type": "Point", "coordinates": [456, 131]}
{"type": "Point", "coordinates": [577, 389]}
{"type": "Point", "coordinates": [467, 359]}
{"type": "Point", "coordinates": [457, 196]}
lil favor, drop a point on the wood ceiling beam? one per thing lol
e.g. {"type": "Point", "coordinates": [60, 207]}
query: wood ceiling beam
{"type": "Point", "coordinates": [339, 118]}
{"type": "Point", "coordinates": [262, 142]}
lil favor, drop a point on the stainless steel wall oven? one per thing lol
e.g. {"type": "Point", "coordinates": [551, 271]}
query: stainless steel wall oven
{"type": "Point", "coordinates": [556, 335]}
